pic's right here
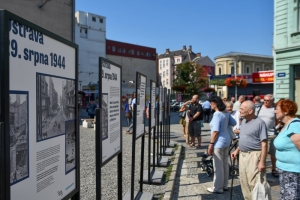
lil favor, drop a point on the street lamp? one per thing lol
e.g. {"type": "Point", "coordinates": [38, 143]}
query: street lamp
{"type": "Point", "coordinates": [208, 76]}
{"type": "Point", "coordinates": [235, 62]}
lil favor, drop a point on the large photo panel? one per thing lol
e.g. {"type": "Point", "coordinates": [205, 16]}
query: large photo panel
{"type": "Point", "coordinates": [42, 111]}
{"type": "Point", "coordinates": [111, 125]}
{"type": "Point", "coordinates": [141, 82]}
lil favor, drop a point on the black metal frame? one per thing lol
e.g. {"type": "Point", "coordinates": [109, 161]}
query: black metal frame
{"type": "Point", "coordinates": [150, 127]}
{"type": "Point", "coordinates": [5, 16]}
{"type": "Point", "coordinates": [134, 138]}
{"type": "Point", "coordinates": [98, 132]}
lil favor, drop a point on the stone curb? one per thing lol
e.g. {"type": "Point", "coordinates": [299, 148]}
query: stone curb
{"type": "Point", "coordinates": [171, 183]}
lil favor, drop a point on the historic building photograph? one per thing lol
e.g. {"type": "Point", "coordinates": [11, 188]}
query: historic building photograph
{"type": "Point", "coordinates": [18, 122]}
{"type": "Point", "coordinates": [55, 105]}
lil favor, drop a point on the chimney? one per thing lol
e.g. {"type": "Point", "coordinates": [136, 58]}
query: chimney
{"type": "Point", "coordinates": [184, 48]}
{"type": "Point", "coordinates": [190, 48]}
{"type": "Point", "coordinates": [198, 55]}
{"type": "Point", "coordinates": [167, 51]}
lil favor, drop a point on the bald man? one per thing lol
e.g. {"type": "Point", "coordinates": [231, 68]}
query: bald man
{"type": "Point", "coordinates": [238, 103]}
{"type": "Point", "coordinates": [195, 118]}
{"type": "Point", "coordinates": [252, 148]}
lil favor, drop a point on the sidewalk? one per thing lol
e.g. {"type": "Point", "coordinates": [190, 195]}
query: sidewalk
{"type": "Point", "coordinates": [191, 182]}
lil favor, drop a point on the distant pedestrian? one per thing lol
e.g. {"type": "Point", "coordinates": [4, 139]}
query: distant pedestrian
{"type": "Point", "coordinates": [206, 111]}
{"type": "Point", "coordinates": [238, 103]}
{"type": "Point", "coordinates": [257, 101]}
{"type": "Point", "coordinates": [195, 111]}
{"type": "Point", "coordinates": [133, 102]}
{"type": "Point", "coordinates": [252, 148]}
{"type": "Point", "coordinates": [127, 111]}
{"type": "Point", "coordinates": [232, 100]}
{"type": "Point", "coordinates": [91, 109]}
{"type": "Point", "coordinates": [219, 144]}
{"type": "Point", "coordinates": [185, 127]}
{"type": "Point", "coordinates": [287, 145]}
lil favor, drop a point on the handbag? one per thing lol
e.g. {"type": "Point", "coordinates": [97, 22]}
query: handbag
{"type": "Point", "coordinates": [231, 133]}
{"type": "Point", "coordinates": [261, 191]}
{"type": "Point", "coordinates": [182, 114]}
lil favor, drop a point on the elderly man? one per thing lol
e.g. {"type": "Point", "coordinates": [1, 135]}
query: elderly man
{"type": "Point", "coordinates": [266, 113]}
{"type": "Point", "coordinates": [238, 103]}
{"type": "Point", "coordinates": [252, 149]}
{"type": "Point", "coordinates": [194, 115]}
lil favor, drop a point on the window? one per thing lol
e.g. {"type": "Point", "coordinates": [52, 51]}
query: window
{"type": "Point", "coordinates": [83, 32]}
{"type": "Point", "coordinates": [137, 53]}
{"type": "Point", "coordinates": [163, 73]}
{"type": "Point", "coordinates": [167, 62]}
{"type": "Point", "coordinates": [101, 20]}
{"type": "Point", "coordinates": [267, 68]}
{"type": "Point", "coordinates": [167, 81]}
{"type": "Point", "coordinates": [167, 72]}
{"type": "Point", "coordinates": [163, 63]}
{"type": "Point", "coordinates": [247, 71]}
{"type": "Point", "coordinates": [257, 69]}
{"type": "Point", "coordinates": [298, 16]}
{"type": "Point", "coordinates": [113, 48]}
{"type": "Point", "coordinates": [232, 70]}
{"type": "Point", "coordinates": [178, 60]}
{"type": "Point", "coordinates": [123, 50]}
{"type": "Point", "coordinates": [93, 19]}
{"type": "Point", "coordinates": [220, 71]}
{"type": "Point", "coordinates": [297, 86]}
{"type": "Point", "coordinates": [119, 50]}
{"type": "Point", "coordinates": [163, 83]}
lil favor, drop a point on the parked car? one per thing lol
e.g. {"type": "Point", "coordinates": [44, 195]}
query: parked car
{"type": "Point", "coordinates": [175, 106]}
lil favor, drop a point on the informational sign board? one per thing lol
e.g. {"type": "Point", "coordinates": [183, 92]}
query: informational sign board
{"type": "Point", "coordinates": [263, 77]}
{"type": "Point", "coordinates": [178, 97]}
{"type": "Point", "coordinates": [153, 102]}
{"type": "Point", "coordinates": [141, 81]}
{"type": "Point", "coordinates": [161, 98]}
{"type": "Point", "coordinates": [281, 74]}
{"type": "Point", "coordinates": [110, 104]}
{"type": "Point", "coordinates": [42, 126]}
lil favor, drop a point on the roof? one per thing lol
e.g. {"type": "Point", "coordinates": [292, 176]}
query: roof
{"type": "Point", "coordinates": [204, 61]}
{"type": "Point", "coordinates": [232, 53]}
{"type": "Point", "coordinates": [187, 55]}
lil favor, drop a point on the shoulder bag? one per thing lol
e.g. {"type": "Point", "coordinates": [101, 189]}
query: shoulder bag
{"type": "Point", "coordinates": [182, 114]}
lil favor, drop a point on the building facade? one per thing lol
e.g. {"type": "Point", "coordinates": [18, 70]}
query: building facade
{"type": "Point", "coordinates": [243, 65]}
{"type": "Point", "coordinates": [287, 50]}
{"type": "Point", "coordinates": [133, 58]}
{"type": "Point", "coordinates": [56, 16]}
{"type": "Point", "coordinates": [90, 36]}
{"type": "Point", "coordinates": [167, 63]}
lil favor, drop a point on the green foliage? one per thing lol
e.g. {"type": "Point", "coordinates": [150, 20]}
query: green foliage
{"type": "Point", "coordinates": [191, 76]}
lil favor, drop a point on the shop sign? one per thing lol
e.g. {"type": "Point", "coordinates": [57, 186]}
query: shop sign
{"type": "Point", "coordinates": [263, 77]}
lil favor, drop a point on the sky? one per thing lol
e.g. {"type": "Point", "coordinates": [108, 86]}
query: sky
{"type": "Point", "coordinates": [212, 27]}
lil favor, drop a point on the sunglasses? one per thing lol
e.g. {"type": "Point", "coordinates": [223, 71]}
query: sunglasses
{"type": "Point", "coordinates": [267, 100]}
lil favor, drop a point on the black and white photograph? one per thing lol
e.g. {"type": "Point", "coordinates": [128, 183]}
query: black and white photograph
{"type": "Point", "coordinates": [55, 105]}
{"type": "Point", "coordinates": [18, 122]}
{"type": "Point", "coordinates": [104, 116]}
{"type": "Point", "coordinates": [70, 145]}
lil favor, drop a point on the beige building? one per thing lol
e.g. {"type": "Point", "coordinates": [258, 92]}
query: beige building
{"type": "Point", "coordinates": [241, 64]}
{"type": "Point", "coordinates": [56, 16]}
{"type": "Point", "coordinates": [245, 63]}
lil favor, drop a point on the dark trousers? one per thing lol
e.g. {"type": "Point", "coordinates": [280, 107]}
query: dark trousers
{"type": "Point", "coordinates": [206, 113]}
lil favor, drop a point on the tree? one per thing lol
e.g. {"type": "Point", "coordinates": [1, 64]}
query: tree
{"type": "Point", "coordinates": [190, 76]}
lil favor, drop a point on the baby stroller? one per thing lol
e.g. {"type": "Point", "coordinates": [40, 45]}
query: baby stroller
{"type": "Point", "coordinates": [207, 162]}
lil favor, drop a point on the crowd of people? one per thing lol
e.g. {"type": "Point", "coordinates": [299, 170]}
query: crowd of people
{"type": "Point", "coordinates": [261, 127]}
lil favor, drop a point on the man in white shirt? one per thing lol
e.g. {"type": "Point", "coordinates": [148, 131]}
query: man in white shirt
{"type": "Point", "coordinates": [238, 103]}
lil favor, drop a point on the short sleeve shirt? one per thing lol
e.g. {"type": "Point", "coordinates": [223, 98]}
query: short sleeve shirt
{"type": "Point", "coordinates": [194, 108]}
{"type": "Point", "coordinates": [252, 133]}
{"type": "Point", "coordinates": [287, 154]}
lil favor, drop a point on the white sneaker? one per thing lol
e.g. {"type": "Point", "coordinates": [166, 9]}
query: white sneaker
{"type": "Point", "coordinates": [212, 190]}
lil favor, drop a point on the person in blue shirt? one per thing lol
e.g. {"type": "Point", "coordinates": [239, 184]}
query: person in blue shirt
{"type": "Point", "coordinates": [91, 109]}
{"type": "Point", "coordinates": [219, 144]}
{"type": "Point", "coordinates": [206, 111]}
{"type": "Point", "coordinates": [287, 145]}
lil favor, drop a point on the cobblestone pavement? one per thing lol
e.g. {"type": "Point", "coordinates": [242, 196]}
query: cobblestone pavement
{"type": "Point", "coordinates": [191, 182]}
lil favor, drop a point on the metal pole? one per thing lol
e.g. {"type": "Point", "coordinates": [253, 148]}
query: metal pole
{"type": "Point", "coordinates": [133, 153]}
{"type": "Point", "coordinates": [142, 162]}
{"type": "Point", "coordinates": [149, 142]}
